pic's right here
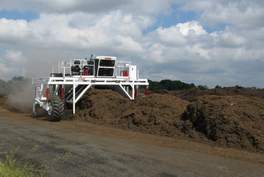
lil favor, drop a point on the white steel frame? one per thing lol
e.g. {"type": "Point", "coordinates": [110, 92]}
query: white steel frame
{"type": "Point", "coordinates": [123, 82]}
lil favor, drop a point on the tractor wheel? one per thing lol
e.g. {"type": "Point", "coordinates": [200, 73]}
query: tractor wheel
{"type": "Point", "coordinates": [57, 109]}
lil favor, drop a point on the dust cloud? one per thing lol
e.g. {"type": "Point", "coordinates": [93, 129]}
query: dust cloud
{"type": "Point", "coordinates": [20, 95]}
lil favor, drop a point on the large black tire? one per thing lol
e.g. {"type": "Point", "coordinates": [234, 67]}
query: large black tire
{"type": "Point", "coordinates": [57, 112]}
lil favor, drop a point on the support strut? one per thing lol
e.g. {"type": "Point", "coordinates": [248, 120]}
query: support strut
{"type": "Point", "coordinates": [130, 96]}
{"type": "Point", "coordinates": [74, 99]}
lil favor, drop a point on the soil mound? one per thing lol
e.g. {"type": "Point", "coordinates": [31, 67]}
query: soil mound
{"type": "Point", "coordinates": [192, 94]}
{"type": "Point", "coordinates": [221, 118]}
{"type": "Point", "coordinates": [156, 114]}
{"type": "Point", "coordinates": [234, 121]}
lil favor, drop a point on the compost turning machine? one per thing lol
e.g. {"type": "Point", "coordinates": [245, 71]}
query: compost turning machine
{"type": "Point", "coordinates": [74, 78]}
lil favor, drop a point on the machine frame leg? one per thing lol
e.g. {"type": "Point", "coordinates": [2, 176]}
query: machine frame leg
{"type": "Point", "coordinates": [73, 98]}
{"type": "Point", "coordinates": [126, 91]}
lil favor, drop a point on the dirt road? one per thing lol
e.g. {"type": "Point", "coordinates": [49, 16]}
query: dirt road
{"type": "Point", "coordinates": [75, 148]}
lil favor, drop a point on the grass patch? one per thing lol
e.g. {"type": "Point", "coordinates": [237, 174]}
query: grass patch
{"type": "Point", "coordinates": [9, 167]}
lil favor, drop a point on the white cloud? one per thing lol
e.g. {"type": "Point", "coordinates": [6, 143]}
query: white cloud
{"type": "Point", "coordinates": [56, 34]}
{"type": "Point", "coordinates": [186, 50]}
{"type": "Point", "coordinates": [13, 29]}
{"type": "Point", "coordinates": [227, 39]}
{"type": "Point", "coordinates": [178, 34]}
{"type": "Point", "coordinates": [190, 28]}
{"type": "Point", "coordinates": [146, 7]}
{"type": "Point", "coordinates": [240, 13]}
{"type": "Point", "coordinates": [114, 30]}
{"type": "Point", "coordinates": [14, 56]}
{"type": "Point", "coordinates": [122, 35]}
{"type": "Point", "coordinates": [12, 64]}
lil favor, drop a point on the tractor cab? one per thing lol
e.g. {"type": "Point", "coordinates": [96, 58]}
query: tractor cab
{"type": "Point", "coordinates": [100, 66]}
{"type": "Point", "coordinates": [104, 66]}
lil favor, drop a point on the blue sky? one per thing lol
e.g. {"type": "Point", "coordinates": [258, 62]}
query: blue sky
{"type": "Point", "coordinates": [15, 15]}
{"type": "Point", "coordinates": [209, 42]}
{"type": "Point", "coordinates": [173, 16]}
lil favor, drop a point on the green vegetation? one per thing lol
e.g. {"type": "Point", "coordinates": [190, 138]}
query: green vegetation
{"type": "Point", "coordinates": [202, 87]}
{"type": "Point", "coordinates": [169, 85]}
{"type": "Point", "coordinates": [9, 167]}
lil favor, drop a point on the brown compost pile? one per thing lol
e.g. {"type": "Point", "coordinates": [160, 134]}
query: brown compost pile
{"type": "Point", "coordinates": [225, 120]}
